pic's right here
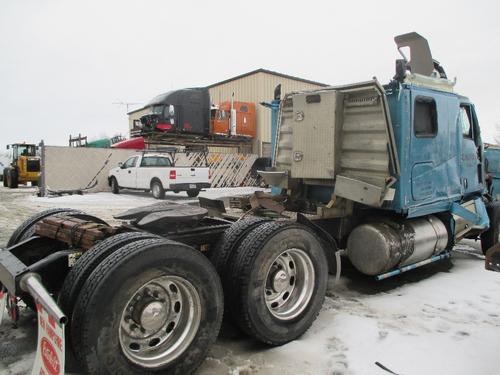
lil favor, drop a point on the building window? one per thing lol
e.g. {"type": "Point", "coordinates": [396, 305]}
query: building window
{"type": "Point", "coordinates": [425, 122]}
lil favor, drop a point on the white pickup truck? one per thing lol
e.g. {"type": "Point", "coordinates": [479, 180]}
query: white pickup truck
{"type": "Point", "coordinates": [158, 173]}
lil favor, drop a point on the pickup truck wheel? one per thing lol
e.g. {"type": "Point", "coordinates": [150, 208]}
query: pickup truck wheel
{"type": "Point", "coordinates": [157, 189]}
{"type": "Point", "coordinates": [115, 189]}
{"type": "Point", "coordinates": [193, 193]}
{"type": "Point", "coordinates": [280, 274]}
{"type": "Point", "coordinates": [491, 237]}
{"type": "Point", "coordinates": [164, 302]}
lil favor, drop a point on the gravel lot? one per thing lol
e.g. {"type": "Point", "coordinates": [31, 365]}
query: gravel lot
{"type": "Point", "coordinates": [439, 319]}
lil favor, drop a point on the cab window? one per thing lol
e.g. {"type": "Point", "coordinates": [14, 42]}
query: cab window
{"type": "Point", "coordinates": [163, 162]}
{"type": "Point", "coordinates": [155, 161]}
{"type": "Point", "coordinates": [465, 122]}
{"type": "Point", "coordinates": [221, 116]}
{"type": "Point", "coordinates": [130, 162]}
{"type": "Point", "coordinates": [425, 122]}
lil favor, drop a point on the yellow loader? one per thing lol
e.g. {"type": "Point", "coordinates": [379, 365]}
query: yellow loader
{"type": "Point", "coordinates": [24, 165]}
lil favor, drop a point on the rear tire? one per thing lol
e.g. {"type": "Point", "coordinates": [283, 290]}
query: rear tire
{"type": "Point", "coordinates": [279, 273]}
{"type": "Point", "coordinates": [230, 241]}
{"type": "Point", "coordinates": [193, 193]}
{"type": "Point", "coordinates": [491, 236]}
{"type": "Point", "coordinates": [80, 272]}
{"type": "Point", "coordinates": [109, 338]}
{"type": "Point", "coordinates": [115, 189]}
{"type": "Point", "coordinates": [157, 189]}
{"type": "Point", "coordinates": [88, 262]}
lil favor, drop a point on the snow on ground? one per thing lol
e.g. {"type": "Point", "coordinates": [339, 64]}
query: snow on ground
{"type": "Point", "coordinates": [443, 318]}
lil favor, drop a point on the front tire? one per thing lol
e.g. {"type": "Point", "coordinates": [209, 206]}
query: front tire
{"type": "Point", "coordinates": [491, 236]}
{"type": "Point", "coordinates": [279, 273]}
{"type": "Point", "coordinates": [115, 189]}
{"type": "Point", "coordinates": [163, 309]}
{"type": "Point", "coordinates": [157, 189]}
{"type": "Point", "coordinates": [14, 179]}
{"type": "Point", "coordinates": [5, 177]}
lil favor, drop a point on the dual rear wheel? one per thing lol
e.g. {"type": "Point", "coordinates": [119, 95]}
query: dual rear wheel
{"type": "Point", "coordinates": [274, 277]}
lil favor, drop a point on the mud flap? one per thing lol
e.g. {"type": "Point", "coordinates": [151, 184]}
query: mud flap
{"type": "Point", "coordinates": [3, 304]}
{"type": "Point", "coordinates": [50, 349]}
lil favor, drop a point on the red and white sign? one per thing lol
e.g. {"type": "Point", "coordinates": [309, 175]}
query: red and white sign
{"type": "Point", "coordinates": [49, 358]}
{"type": "Point", "coordinates": [3, 304]}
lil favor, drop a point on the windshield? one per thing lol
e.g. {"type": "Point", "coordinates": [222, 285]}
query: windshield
{"type": "Point", "coordinates": [157, 109]}
{"type": "Point", "coordinates": [26, 150]}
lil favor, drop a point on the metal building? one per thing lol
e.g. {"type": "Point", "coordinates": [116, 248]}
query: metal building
{"type": "Point", "coordinates": [258, 86]}
{"type": "Point", "coordinates": [255, 86]}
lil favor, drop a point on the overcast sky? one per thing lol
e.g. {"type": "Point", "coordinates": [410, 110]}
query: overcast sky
{"type": "Point", "coordinates": [63, 63]}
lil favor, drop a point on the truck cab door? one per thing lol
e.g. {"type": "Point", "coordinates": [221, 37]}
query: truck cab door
{"type": "Point", "coordinates": [471, 173]}
{"type": "Point", "coordinates": [128, 173]}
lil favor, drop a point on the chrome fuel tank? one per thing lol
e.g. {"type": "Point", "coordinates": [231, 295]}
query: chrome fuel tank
{"type": "Point", "coordinates": [377, 247]}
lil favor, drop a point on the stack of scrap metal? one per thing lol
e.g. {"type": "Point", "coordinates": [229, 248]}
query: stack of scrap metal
{"type": "Point", "coordinates": [82, 234]}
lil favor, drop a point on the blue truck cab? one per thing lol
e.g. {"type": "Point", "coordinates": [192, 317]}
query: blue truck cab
{"type": "Point", "coordinates": [439, 143]}
{"type": "Point", "coordinates": [393, 174]}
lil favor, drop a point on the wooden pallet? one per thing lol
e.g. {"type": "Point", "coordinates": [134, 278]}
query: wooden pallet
{"type": "Point", "coordinates": [78, 233]}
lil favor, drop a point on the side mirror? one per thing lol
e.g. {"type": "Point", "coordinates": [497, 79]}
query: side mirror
{"type": "Point", "coordinates": [120, 164]}
{"type": "Point", "coordinates": [8, 147]}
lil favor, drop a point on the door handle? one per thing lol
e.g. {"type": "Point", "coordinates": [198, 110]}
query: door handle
{"type": "Point", "coordinates": [129, 171]}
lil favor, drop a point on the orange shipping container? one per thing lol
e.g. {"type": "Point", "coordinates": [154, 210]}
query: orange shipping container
{"type": "Point", "coordinates": [239, 122]}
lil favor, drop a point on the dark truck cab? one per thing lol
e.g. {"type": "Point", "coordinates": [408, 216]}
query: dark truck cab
{"type": "Point", "coordinates": [179, 111]}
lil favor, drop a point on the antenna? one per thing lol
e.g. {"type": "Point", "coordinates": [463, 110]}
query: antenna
{"type": "Point", "coordinates": [126, 104]}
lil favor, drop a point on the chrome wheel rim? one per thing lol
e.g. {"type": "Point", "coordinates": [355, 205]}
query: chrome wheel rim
{"type": "Point", "coordinates": [289, 284]}
{"type": "Point", "coordinates": [160, 321]}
